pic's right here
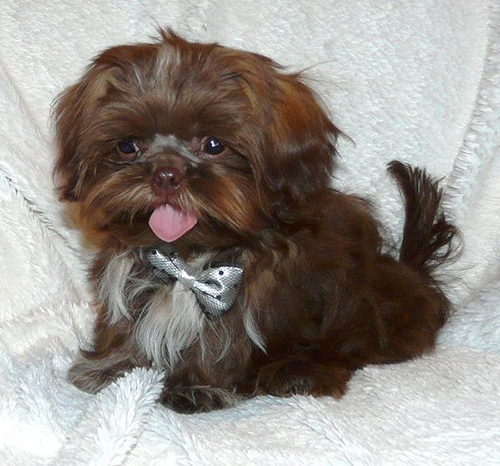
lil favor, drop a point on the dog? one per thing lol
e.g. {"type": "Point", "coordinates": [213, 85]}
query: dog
{"type": "Point", "coordinates": [202, 175]}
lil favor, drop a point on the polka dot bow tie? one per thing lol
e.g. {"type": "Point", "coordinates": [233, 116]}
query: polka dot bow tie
{"type": "Point", "coordinates": [215, 288]}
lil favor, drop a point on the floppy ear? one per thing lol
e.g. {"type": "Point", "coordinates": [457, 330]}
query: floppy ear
{"type": "Point", "coordinates": [301, 141]}
{"type": "Point", "coordinates": [74, 109]}
{"type": "Point", "coordinates": [72, 112]}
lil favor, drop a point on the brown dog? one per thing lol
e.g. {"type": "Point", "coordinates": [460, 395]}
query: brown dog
{"type": "Point", "coordinates": [195, 161]}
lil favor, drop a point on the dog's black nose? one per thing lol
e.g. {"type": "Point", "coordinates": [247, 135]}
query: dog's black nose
{"type": "Point", "coordinates": [167, 179]}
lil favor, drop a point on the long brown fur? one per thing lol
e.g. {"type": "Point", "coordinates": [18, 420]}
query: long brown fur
{"type": "Point", "coordinates": [319, 299]}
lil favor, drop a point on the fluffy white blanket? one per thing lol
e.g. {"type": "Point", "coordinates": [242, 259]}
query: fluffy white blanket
{"type": "Point", "coordinates": [415, 81]}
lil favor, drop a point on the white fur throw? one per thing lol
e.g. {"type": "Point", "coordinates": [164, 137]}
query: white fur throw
{"type": "Point", "coordinates": [411, 80]}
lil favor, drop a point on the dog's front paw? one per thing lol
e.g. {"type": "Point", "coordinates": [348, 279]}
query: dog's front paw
{"type": "Point", "coordinates": [92, 375]}
{"type": "Point", "coordinates": [197, 399]}
{"type": "Point", "coordinates": [300, 377]}
{"type": "Point", "coordinates": [89, 376]}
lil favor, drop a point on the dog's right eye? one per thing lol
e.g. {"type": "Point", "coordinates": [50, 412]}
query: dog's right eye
{"type": "Point", "coordinates": [128, 148]}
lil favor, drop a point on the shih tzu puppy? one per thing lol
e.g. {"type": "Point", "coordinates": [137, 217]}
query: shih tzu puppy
{"type": "Point", "coordinates": [202, 174]}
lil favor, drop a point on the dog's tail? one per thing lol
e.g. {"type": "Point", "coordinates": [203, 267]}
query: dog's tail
{"type": "Point", "coordinates": [429, 240]}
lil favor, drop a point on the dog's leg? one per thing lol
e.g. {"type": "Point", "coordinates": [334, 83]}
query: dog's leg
{"type": "Point", "coordinates": [300, 376]}
{"type": "Point", "coordinates": [92, 372]}
{"type": "Point", "coordinates": [113, 355]}
{"type": "Point", "coordinates": [197, 399]}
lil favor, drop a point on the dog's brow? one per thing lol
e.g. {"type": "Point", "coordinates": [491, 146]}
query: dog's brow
{"type": "Point", "coordinates": [163, 143]}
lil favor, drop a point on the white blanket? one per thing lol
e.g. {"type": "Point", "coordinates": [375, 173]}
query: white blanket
{"type": "Point", "coordinates": [415, 81]}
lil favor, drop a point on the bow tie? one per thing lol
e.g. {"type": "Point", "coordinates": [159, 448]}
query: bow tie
{"type": "Point", "coordinates": [215, 288]}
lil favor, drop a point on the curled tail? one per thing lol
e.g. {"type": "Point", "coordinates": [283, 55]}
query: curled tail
{"type": "Point", "coordinates": [428, 237]}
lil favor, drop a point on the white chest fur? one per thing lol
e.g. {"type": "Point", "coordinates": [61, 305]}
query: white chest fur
{"type": "Point", "coordinates": [171, 320]}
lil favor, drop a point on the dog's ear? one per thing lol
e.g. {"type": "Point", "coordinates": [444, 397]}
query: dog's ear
{"type": "Point", "coordinates": [75, 109]}
{"type": "Point", "coordinates": [300, 140]}
{"type": "Point", "coordinates": [297, 139]}
{"type": "Point", "coordinates": [72, 113]}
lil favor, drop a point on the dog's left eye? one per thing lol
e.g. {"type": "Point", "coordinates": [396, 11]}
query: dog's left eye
{"type": "Point", "coordinates": [212, 146]}
{"type": "Point", "coordinates": [128, 148]}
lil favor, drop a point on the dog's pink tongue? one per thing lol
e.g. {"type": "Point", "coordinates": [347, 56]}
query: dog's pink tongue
{"type": "Point", "coordinates": [170, 224]}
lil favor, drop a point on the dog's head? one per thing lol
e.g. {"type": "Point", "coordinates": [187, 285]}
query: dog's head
{"type": "Point", "coordinates": [193, 141]}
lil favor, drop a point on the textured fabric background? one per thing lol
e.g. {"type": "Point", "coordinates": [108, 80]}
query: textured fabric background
{"type": "Point", "coordinates": [415, 81]}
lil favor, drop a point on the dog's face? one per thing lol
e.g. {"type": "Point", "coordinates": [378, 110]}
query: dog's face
{"type": "Point", "coordinates": [188, 141]}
